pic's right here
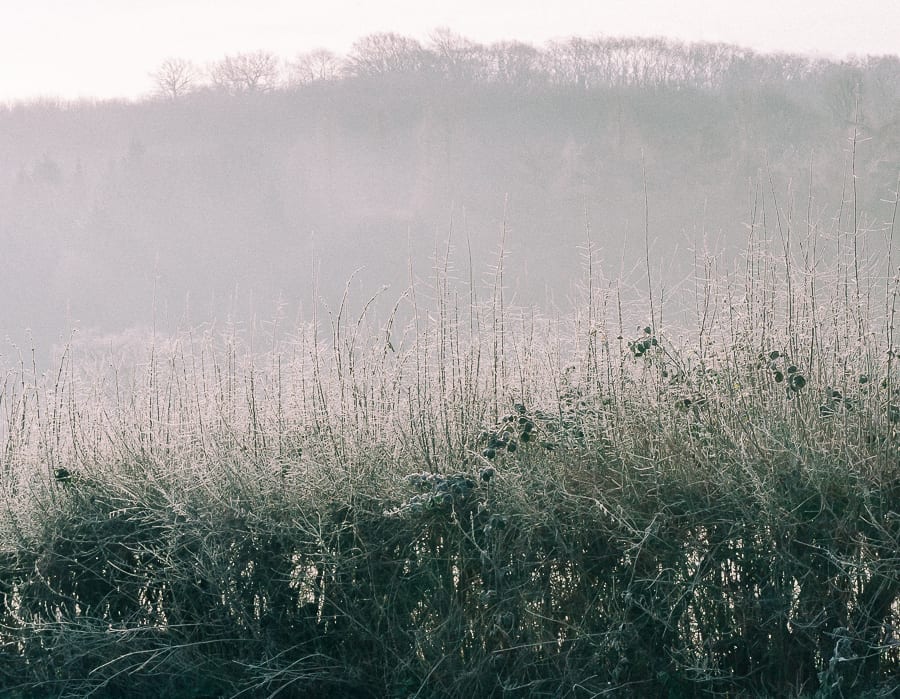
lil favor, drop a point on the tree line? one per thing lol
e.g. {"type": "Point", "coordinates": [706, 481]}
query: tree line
{"type": "Point", "coordinates": [585, 63]}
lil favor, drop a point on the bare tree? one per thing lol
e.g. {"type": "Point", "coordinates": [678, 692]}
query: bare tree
{"type": "Point", "coordinates": [258, 71]}
{"type": "Point", "coordinates": [572, 62]}
{"type": "Point", "coordinates": [514, 63]}
{"type": "Point", "coordinates": [318, 64]}
{"type": "Point", "coordinates": [455, 56]}
{"type": "Point", "coordinates": [843, 91]}
{"type": "Point", "coordinates": [379, 54]}
{"type": "Point", "coordinates": [175, 77]}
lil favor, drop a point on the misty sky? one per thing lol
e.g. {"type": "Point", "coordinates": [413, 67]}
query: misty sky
{"type": "Point", "coordinates": [106, 48]}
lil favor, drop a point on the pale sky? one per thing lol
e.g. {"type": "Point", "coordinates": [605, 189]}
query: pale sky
{"type": "Point", "coordinates": [107, 48]}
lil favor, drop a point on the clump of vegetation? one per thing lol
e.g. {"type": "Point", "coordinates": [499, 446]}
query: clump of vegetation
{"type": "Point", "coordinates": [507, 506]}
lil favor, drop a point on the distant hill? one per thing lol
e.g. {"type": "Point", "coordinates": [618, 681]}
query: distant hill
{"type": "Point", "coordinates": [225, 197]}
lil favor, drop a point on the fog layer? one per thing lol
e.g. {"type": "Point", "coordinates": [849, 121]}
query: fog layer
{"type": "Point", "coordinates": [229, 199]}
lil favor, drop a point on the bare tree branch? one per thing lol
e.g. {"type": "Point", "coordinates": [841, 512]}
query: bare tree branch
{"type": "Point", "coordinates": [175, 77]}
{"type": "Point", "coordinates": [380, 54]}
{"type": "Point", "coordinates": [258, 71]}
{"type": "Point", "coordinates": [317, 65]}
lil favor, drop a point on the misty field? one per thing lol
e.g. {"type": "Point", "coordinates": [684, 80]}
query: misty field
{"type": "Point", "coordinates": [463, 498]}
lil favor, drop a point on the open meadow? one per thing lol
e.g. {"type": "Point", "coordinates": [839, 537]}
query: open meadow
{"type": "Point", "coordinates": [641, 493]}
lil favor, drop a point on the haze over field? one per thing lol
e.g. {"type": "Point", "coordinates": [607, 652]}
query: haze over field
{"type": "Point", "coordinates": [253, 182]}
